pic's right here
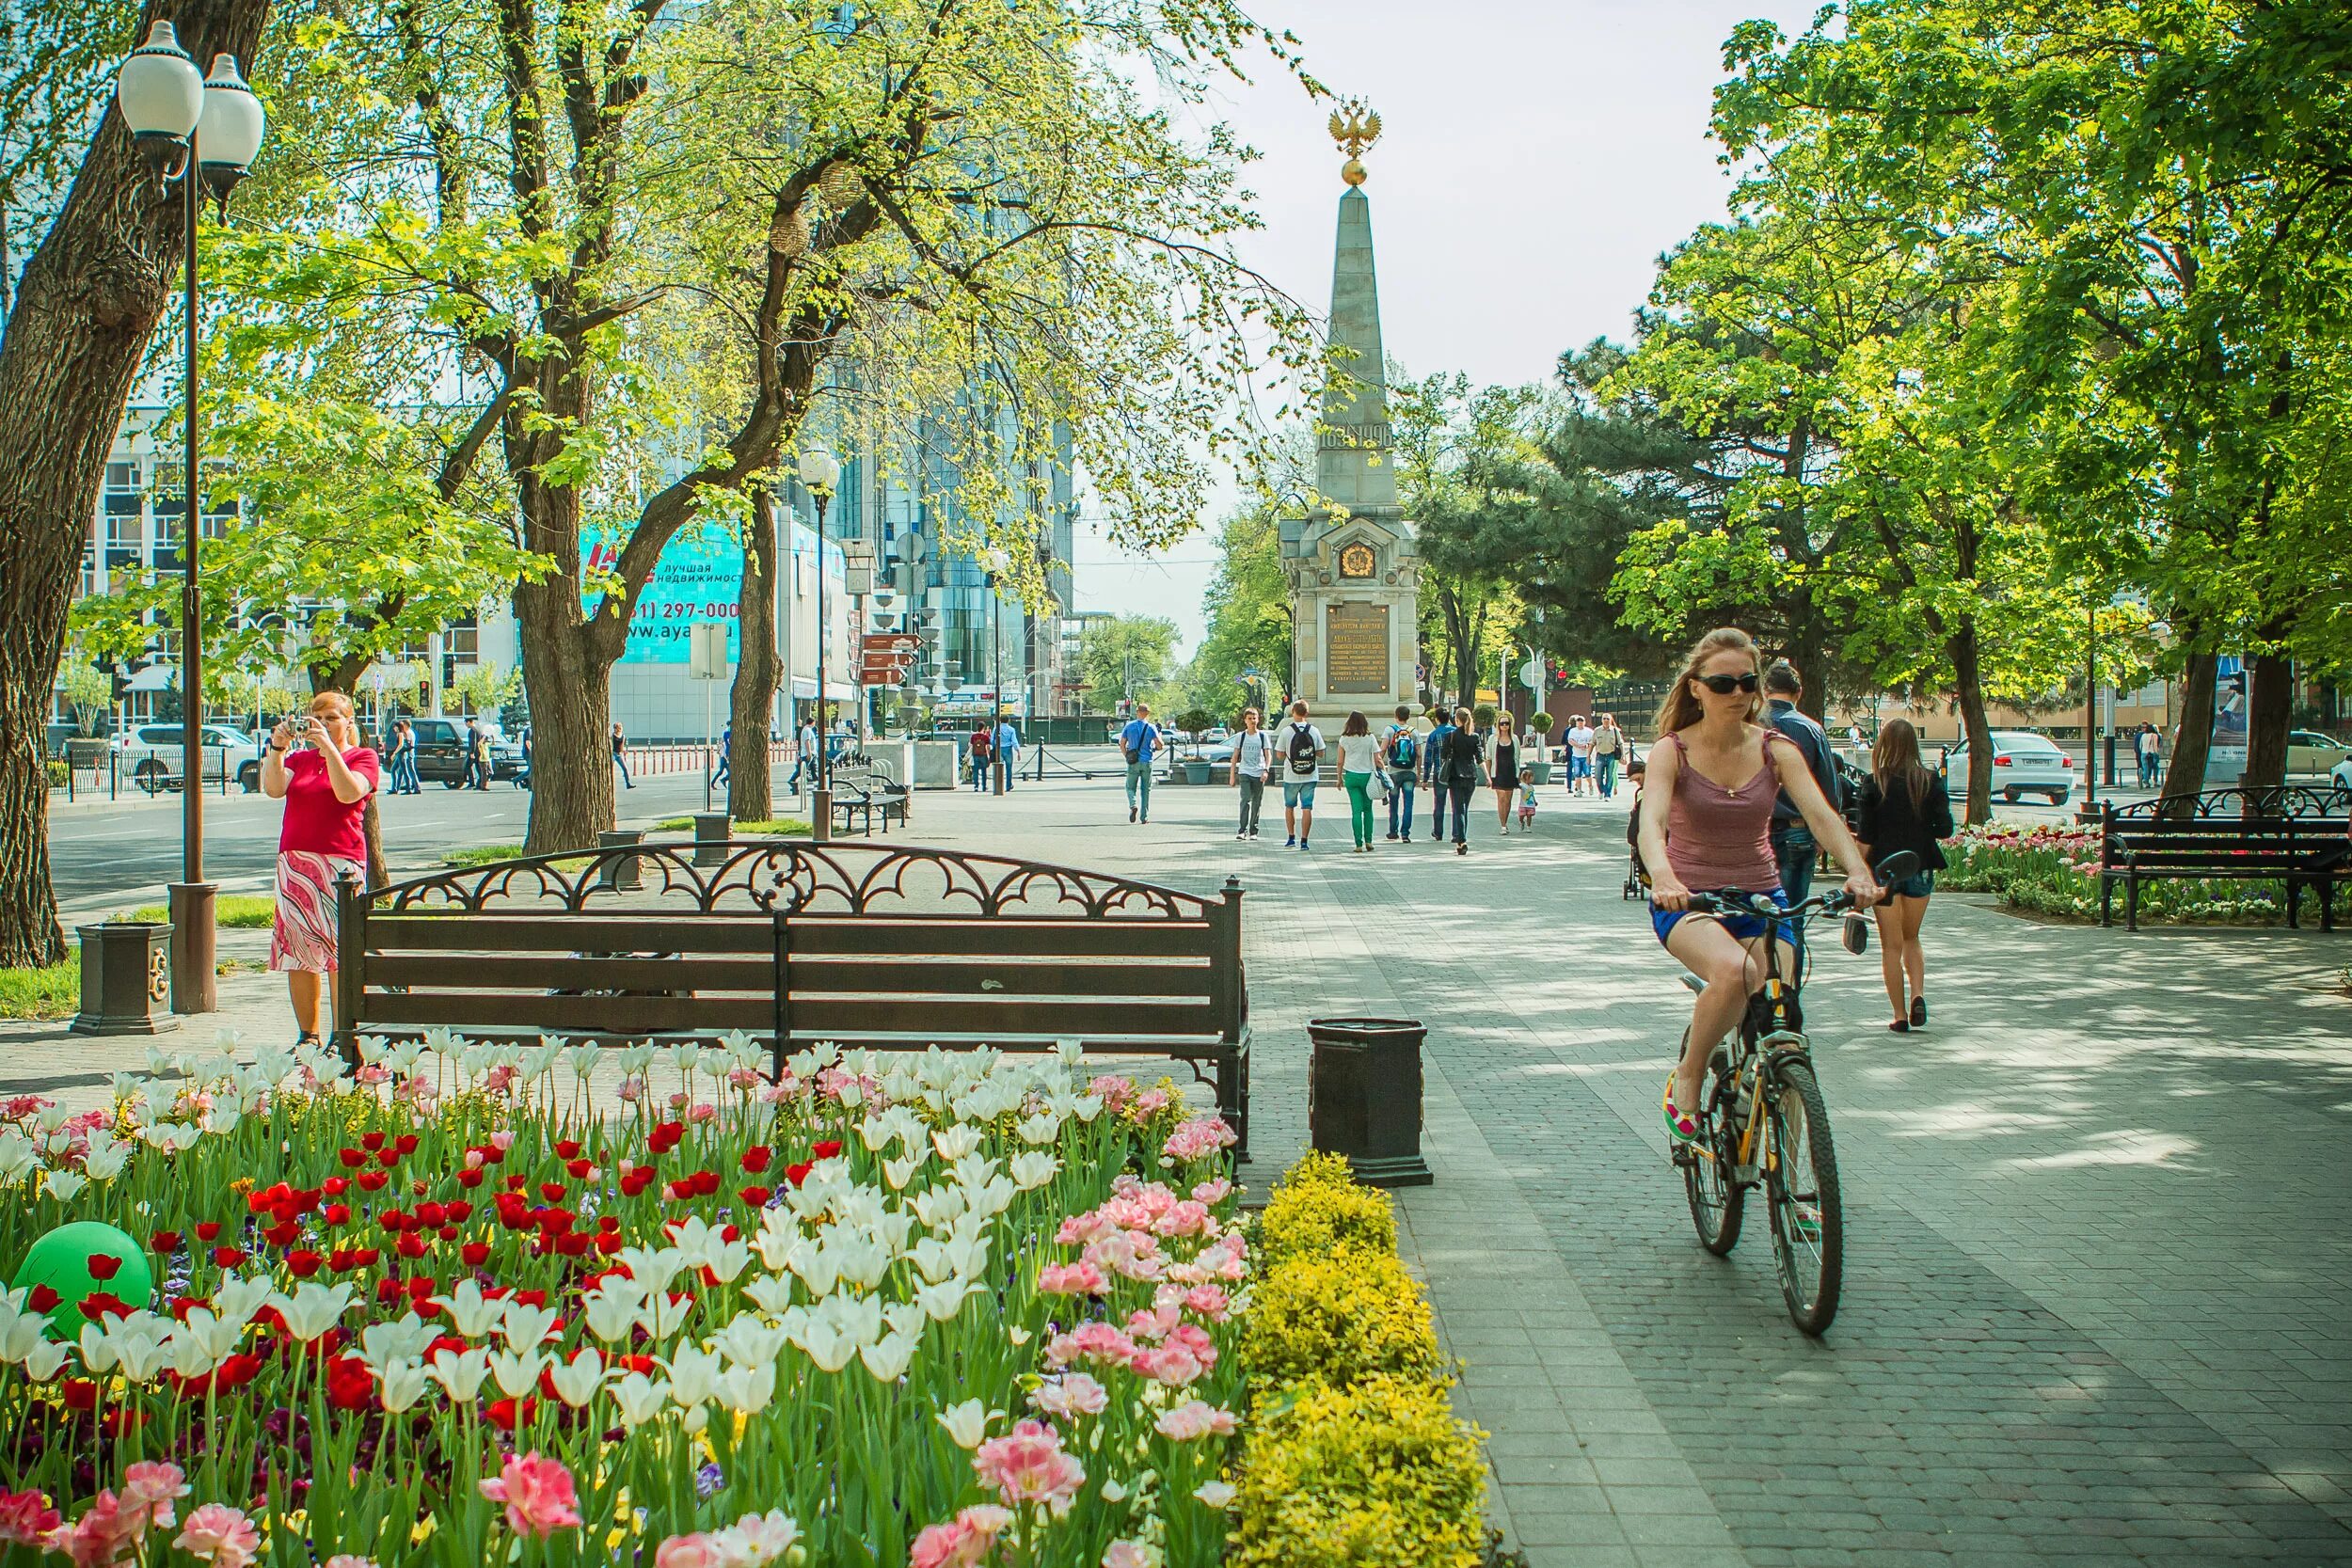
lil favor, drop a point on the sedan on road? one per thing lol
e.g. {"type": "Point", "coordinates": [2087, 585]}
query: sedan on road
{"type": "Point", "coordinates": [150, 755]}
{"type": "Point", "coordinates": [2309, 751]}
{"type": "Point", "coordinates": [2023, 764]}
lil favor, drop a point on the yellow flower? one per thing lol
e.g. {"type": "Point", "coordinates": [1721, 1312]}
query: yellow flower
{"type": "Point", "coordinates": [242, 1184]}
{"type": "Point", "coordinates": [423, 1529]}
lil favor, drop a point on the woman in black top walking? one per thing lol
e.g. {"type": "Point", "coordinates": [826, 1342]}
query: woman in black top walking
{"type": "Point", "coordinates": [1457, 773]}
{"type": "Point", "coordinates": [1505, 773]}
{"type": "Point", "coordinates": [1903, 807]}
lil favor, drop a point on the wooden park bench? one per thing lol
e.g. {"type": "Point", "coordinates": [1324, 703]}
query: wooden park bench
{"type": "Point", "coordinates": [2283, 834]}
{"type": "Point", "coordinates": [891, 948]}
{"type": "Point", "coordinates": [861, 787]}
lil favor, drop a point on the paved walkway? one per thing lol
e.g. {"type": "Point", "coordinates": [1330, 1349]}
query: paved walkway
{"type": "Point", "coordinates": [2099, 1278]}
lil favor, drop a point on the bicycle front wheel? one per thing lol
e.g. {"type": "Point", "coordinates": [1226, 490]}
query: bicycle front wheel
{"type": "Point", "coordinates": [1807, 1221]}
{"type": "Point", "coordinates": [1716, 1201]}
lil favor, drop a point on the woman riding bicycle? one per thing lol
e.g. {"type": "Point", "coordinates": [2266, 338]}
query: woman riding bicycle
{"type": "Point", "coordinates": [1706, 826]}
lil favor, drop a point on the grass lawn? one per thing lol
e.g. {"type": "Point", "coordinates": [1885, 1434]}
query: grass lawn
{"type": "Point", "coordinates": [250, 912]}
{"type": "Point", "coordinates": [774, 826]}
{"type": "Point", "coordinates": [45, 993]}
{"type": "Point", "coordinates": [490, 854]}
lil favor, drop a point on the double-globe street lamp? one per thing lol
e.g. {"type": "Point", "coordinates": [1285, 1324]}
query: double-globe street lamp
{"type": "Point", "coordinates": [820, 474]}
{"type": "Point", "coordinates": [192, 128]}
{"type": "Point", "coordinates": [995, 563]}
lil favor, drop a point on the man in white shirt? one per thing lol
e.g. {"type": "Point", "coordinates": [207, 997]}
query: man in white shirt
{"type": "Point", "coordinates": [1299, 751]}
{"type": "Point", "coordinates": [1579, 740]}
{"type": "Point", "coordinates": [1253, 759]}
{"type": "Point", "coordinates": [803, 757]}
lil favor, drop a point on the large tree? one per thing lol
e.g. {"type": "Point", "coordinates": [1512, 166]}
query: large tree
{"type": "Point", "coordinates": [78, 331]}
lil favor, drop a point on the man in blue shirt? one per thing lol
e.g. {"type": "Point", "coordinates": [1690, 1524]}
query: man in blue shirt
{"type": "Point", "coordinates": [1794, 848]}
{"type": "Point", "coordinates": [1433, 748]}
{"type": "Point", "coordinates": [1140, 742]}
{"type": "Point", "coordinates": [1007, 749]}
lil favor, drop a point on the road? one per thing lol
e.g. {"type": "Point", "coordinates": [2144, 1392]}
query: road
{"type": "Point", "coordinates": [107, 855]}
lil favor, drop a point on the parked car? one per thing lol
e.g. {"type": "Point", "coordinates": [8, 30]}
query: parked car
{"type": "Point", "coordinates": [2023, 764]}
{"type": "Point", "coordinates": [2309, 751]}
{"type": "Point", "coordinates": [441, 749]}
{"type": "Point", "coordinates": [150, 755]}
{"type": "Point", "coordinates": [2341, 776]}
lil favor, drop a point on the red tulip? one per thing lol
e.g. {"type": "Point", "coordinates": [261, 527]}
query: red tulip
{"type": "Point", "coordinates": [43, 1299]}
{"type": "Point", "coordinates": [387, 1290]}
{"type": "Point", "coordinates": [755, 1158]}
{"type": "Point", "coordinates": [103, 1266]}
{"type": "Point", "coordinates": [458, 1210]}
{"type": "Point", "coordinates": [335, 1186]}
{"type": "Point", "coordinates": [405, 1143]}
{"type": "Point", "coordinates": [449, 1232]}
{"type": "Point", "coordinates": [302, 1262]}
{"type": "Point", "coordinates": [567, 1149]}
{"type": "Point", "coordinates": [353, 1159]}
{"type": "Point", "coordinates": [829, 1149]}
{"type": "Point", "coordinates": [348, 1384]}
{"type": "Point", "coordinates": [164, 1242]}
{"type": "Point", "coordinates": [608, 1241]}
{"type": "Point", "coordinates": [580, 1168]}
{"type": "Point", "coordinates": [431, 1216]}
{"type": "Point", "coordinates": [636, 1182]}
{"type": "Point", "coordinates": [475, 1254]}
{"type": "Point", "coordinates": [372, 1180]}
{"type": "Point", "coordinates": [335, 1213]}
{"type": "Point", "coordinates": [115, 1422]}
{"type": "Point", "coordinates": [413, 1245]}
{"type": "Point", "coordinates": [501, 1414]}
{"type": "Point", "coordinates": [798, 1174]}
{"type": "Point", "coordinates": [80, 1394]}
{"type": "Point", "coordinates": [469, 1178]}
{"type": "Point", "coordinates": [756, 1197]}
{"type": "Point", "coordinates": [552, 1191]}
{"type": "Point", "coordinates": [371, 1141]}
{"type": "Point", "coordinates": [228, 1256]}
{"type": "Point", "coordinates": [517, 1181]}
{"type": "Point", "coordinates": [104, 1303]}
{"type": "Point", "coordinates": [208, 1231]}
{"type": "Point", "coordinates": [282, 1235]}
{"type": "Point", "coordinates": [388, 1158]}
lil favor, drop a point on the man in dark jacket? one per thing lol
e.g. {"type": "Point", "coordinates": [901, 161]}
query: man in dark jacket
{"type": "Point", "coordinates": [1793, 847]}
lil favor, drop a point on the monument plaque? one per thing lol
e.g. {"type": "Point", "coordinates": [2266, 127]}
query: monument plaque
{"type": "Point", "coordinates": [1356, 650]}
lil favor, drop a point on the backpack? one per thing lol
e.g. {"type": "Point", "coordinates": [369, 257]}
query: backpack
{"type": "Point", "coordinates": [1302, 748]}
{"type": "Point", "coordinates": [1401, 751]}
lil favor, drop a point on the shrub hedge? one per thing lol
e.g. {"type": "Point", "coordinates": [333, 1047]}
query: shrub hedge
{"type": "Point", "coordinates": [1353, 1457]}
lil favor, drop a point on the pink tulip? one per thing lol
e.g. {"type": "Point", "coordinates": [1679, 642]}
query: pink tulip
{"type": "Point", "coordinates": [689, 1551]}
{"type": "Point", "coordinates": [965, 1542]}
{"type": "Point", "coordinates": [220, 1535]}
{"type": "Point", "coordinates": [1028, 1466]}
{"type": "Point", "coordinates": [538, 1494]}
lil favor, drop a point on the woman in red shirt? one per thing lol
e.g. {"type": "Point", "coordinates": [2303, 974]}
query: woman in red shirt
{"type": "Point", "coordinates": [326, 787]}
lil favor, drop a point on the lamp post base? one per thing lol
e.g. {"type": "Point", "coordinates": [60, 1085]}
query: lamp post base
{"type": "Point", "coordinates": [821, 815]}
{"type": "Point", "coordinates": [195, 988]}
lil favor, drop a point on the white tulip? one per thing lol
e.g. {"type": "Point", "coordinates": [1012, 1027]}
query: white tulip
{"type": "Point", "coordinates": [694, 1375]}
{"type": "Point", "coordinates": [16, 1154]}
{"type": "Point", "coordinates": [757, 1539]}
{"type": "Point", "coordinates": [1042, 1128]}
{"type": "Point", "coordinates": [888, 1358]}
{"type": "Point", "coordinates": [313, 1308]}
{"type": "Point", "coordinates": [728, 1259]}
{"type": "Point", "coordinates": [861, 1260]}
{"type": "Point", "coordinates": [1033, 1170]}
{"type": "Point", "coordinates": [576, 1381]}
{"type": "Point", "coordinates": [652, 1269]}
{"type": "Point", "coordinates": [525, 1325]}
{"type": "Point", "coordinates": [748, 1342]}
{"type": "Point", "coordinates": [770, 1292]}
{"type": "Point", "coordinates": [470, 1314]}
{"type": "Point", "coordinates": [954, 1143]}
{"type": "Point", "coordinates": [612, 1314]}
{"type": "Point", "coordinates": [43, 1361]}
{"type": "Point", "coordinates": [1216, 1494]}
{"type": "Point", "coordinates": [966, 1424]}
{"type": "Point", "coordinates": [460, 1373]}
{"type": "Point", "coordinates": [639, 1399]}
{"type": "Point", "coordinates": [666, 1315]}
{"type": "Point", "coordinates": [875, 1131]}
{"type": "Point", "coordinates": [747, 1390]}
{"type": "Point", "coordinates": [943, 1300]}
{"type": "Point", "coordinates": [517, 1374]}
{"type": "Point", "coordinates": [64, 1185]}
{"type": "Point", "coordinates": [932, 1259]}
{"type": "Point", "coordinates": [403, 1385]}
{"type": "Point", "coordinates": [827, 1346]}
{"type": "Point", "coordinates": [403, 1338]}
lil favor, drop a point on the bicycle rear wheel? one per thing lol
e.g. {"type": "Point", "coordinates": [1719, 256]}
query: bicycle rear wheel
{"type": "Point", "coordinates": [1716, 1202]}
{"type": "Point", "coordinates": [1801, 1182]}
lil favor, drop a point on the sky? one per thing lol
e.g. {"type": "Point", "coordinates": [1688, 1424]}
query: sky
{"type": "Point", "coordinates": [1536, 157]}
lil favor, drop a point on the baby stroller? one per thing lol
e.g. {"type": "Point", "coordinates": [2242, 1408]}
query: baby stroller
{"type": "Point", "coordinates": [1636, 875]}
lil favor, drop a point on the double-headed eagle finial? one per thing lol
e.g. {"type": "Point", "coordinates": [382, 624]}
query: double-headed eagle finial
{"type": "Point", "coordinates": [1354, 128]}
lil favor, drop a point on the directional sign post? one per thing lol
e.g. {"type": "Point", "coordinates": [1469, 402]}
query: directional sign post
{"type": "Point", "coordinates": [706, 661]}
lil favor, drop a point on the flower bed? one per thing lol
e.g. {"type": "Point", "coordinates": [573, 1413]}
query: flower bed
{"type": "Point", "coordinates": [1353, 1455]}
{"type": "Point", "coordinates": [2055, 871]}
{"type": "Point", "coordinates": [940, 1310]}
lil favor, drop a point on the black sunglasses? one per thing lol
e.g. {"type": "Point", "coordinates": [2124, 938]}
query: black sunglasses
{"type": "Point", "coordinates": [1723, 686]}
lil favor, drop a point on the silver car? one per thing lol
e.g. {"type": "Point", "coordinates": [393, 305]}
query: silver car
{"type": "Point", "coordinates": [2023, 763]}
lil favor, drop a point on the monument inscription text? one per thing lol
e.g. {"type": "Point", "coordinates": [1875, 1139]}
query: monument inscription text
{"type": "Point", "coordinates": [1356, 649]}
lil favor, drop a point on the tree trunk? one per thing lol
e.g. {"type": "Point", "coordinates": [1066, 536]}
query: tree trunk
{"type": "Point", "coordinates": [2185, 778]}
{"type": "Point", "coordinates": [88, 300]}
{"type": "Point", "coordinates": [2270, 714]}
{"type": "Point", "coordinates": [572, 777]}
{"type": "Point", "coordinates": [753, 702]}
{"type": "Point", "coordinates": [1968, 684]}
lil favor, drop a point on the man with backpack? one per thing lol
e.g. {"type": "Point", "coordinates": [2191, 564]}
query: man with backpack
{"type": "Point", "coordinates": [1400, 751]}
{"type": "Point", "coordinates": [1140, 742]}
{"type": "Point", "coordinates": [1299, 744]}
{"type": "Point", "coordinates": [1432, 762]}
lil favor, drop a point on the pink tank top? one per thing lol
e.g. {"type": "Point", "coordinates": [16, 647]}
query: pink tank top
{"type": "Point", "coordinates": [1718, 837]}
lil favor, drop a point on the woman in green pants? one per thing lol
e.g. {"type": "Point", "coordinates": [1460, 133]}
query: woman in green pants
{"type": "Point", "coordinates": [1359, 754]}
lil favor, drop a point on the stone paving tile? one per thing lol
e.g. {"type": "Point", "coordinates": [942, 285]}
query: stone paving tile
{"type": "Point", "coordinates": [2098, 1296]}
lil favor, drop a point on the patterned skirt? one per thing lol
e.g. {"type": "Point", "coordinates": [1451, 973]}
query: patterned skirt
{"type": "Point", "coordinates": [303, 935]}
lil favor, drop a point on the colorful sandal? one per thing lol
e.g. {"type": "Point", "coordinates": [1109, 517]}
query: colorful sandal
{"type": "Point", "coordinates": [1680, 1127]}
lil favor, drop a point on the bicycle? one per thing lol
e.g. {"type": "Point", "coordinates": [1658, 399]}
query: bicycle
{"type": "Point", "coordinates": [1763, 1122]}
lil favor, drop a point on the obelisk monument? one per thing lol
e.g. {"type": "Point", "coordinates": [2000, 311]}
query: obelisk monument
{"type": "Point", "coordinates": [1354, 570]}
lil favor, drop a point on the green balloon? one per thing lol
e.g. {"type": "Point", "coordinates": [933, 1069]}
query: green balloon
{"type": "Point", "coordinates": [61, 1260]}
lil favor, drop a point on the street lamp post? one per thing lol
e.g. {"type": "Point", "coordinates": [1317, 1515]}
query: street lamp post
{"type": "Point", "coordinates": [821, 471]}
{"type": "Point", "coordinates": [993, 566]}
{"type": "Point", "coordinates": [193, 130]}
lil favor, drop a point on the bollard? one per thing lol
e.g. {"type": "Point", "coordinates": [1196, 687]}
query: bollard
{"type": "Point", "coordinates": [126, 971]}
{"type": "Point", "coordinates": [710, 838]}
{"type": "Point", "coordinates": [1363, 1097]}
{"type": "Point", "coordinates": [622, 873]}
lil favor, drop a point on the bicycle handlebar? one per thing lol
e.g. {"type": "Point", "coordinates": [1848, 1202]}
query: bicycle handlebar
{"type": "Point", "coordinates": [1895, 868]}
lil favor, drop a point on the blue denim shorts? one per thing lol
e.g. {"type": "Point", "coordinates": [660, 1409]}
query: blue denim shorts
{"type": "Point", "coordinates": [1299, 794]}
{"type": "Point", "coordinates": [1914, 887]}
{"type": "Point", "coordinates": [1741, 925]}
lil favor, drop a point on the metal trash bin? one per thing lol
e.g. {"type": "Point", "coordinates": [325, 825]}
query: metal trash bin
{"type": "Point", "coordinates": [622, 873]}
{"type": "Point", "coordinates": [125, 972]}
{"type": "Point", "coordinates": [1363, 1097]}
{"type": "Point", "coordinates": [710, 838]}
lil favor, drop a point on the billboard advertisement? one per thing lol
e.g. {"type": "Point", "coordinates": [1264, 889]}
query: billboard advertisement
{"type": "Point", "coordinates": [2226, 763]}
{"type": "Point", "coordinates": [699, 577]}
